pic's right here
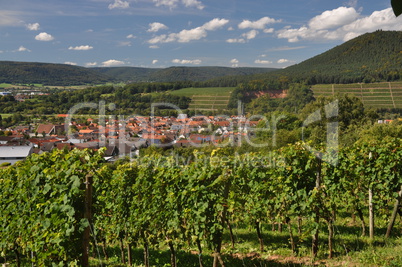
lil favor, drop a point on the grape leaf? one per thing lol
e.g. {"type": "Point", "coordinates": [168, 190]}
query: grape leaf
{"type": "Point", "coordinates": [396, 7]}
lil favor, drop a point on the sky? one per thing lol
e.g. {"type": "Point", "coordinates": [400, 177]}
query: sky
{"type": "Point", "coordinates": [164, 33]}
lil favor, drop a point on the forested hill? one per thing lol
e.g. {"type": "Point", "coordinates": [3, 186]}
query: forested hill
{"type": "Point", "coordinates": [61, 74]}
{"type": "Point", "coordinates": [173, 74]}
{"type": "Point", "coordinates": [370, 57]}
{"type": "Point", "coordinates": [48, 74]}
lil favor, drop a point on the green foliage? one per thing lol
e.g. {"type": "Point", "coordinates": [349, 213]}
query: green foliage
{"type": "Point", "coordinates": [48, 74]}
{"type": "Point", "coordinates": [159, 201]}
{"type": "Point", "coordinates": [43, 204]}
{"type": "Point", "coordinates": [368, 58]}
{"type": "Point", "coordinates": [397, 7]}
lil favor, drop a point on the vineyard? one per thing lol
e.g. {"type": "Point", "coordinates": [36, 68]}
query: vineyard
{"type": "Point", "coordinates": [377, 95]}
{"type": "Point", "coordinates": [71, 208]}
{"type": "Point", "coordinates": [203, 99]}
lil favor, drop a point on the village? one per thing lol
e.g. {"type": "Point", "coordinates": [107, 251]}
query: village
{"type": "Point", "coordinates": [122, 137]}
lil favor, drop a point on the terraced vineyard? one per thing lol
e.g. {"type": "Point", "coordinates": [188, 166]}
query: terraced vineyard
{"type": "Point", "coordinates": [214, 98]}
{"type": "Point", "coordinates": [377, 95]}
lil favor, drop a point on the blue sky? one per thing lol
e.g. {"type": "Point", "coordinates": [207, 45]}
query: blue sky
{"type": "Point", "coordinates": [163, 33]}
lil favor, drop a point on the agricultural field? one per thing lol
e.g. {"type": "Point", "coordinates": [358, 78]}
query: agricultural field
{"type": "Point", "coordinates": [212, 91]}
{"type": "Point", "coordinates": [376, 95]}
{"type": "Point", "coordinates": [242, 210]}
{"type": "Point", "coordinates": [213, 98]}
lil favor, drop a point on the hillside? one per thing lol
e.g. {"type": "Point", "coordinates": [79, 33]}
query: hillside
{"type": "Point", "coordinates": [61, 74]}
{"type": "Point", "coordinates": [48, 74]}
{"type": "Point", "coordinates": [371, 57]}
{"type": "Point", "coordinates": [125, 74]}
{"type": "Point", "coordinates": [173, 74]}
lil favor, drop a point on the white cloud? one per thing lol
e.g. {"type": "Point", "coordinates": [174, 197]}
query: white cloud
{"type": "Point", "coordinates": [264, 62]}
{"type": "Point", "coordinates": [81, 48]}
{"type": "Point", "coordinates": [91, 64]}
{"type": "Point", "coordinates": [155, 61]}
{"type": "Point", "coordinates": [153, 46]}
{"type": "Point", "coordinates": [333, 18]}
{"type": "Point", "coordinates": [23, 49]}
{"type": "Point", "coordinates": [168, 3]}
{"type": "Point", "coordinates": [112, 63]}
{"type": "Point", "coordinates": [258, 24]}
{"type": "Point", "coordinates": [234, 62]}
{"type": "Point", "coordinates": [173, 3]}
{"type": "Point", "coordinates": [270, 30]}
{"type": "Point", "coordinates": [43, 36]}
{"type": "Point", "coordinates": [246, 36]}
{"type": "Point", "coordinates": [33, 26]}
{"type": "Point", "coordinates": [250, 35]}
{"type": "Point", "coordinates": [187, 61]}
{"type": "Point", "coordinates": [119, 4]}
{"type": "Point", "coordinates": [342, 24]}
{"type": "Point", "coordinates": [186, 36]}
{"type": "Point", "coordinates": [70, 63]}
{"type": "Point", "coordinates": [234, 40]}
{"type": "Point", "coordinates": [215, 24]}
{"type": "Point", "coordinates": [156, 26]}
{"type": "Point", "coordinates": [131, 36]}
{"type": "Point", "coordinates": [283, 60]}
{"type": "Point", "coordinates": [193, 3]}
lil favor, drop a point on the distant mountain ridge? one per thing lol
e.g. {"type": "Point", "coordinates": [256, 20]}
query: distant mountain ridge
{"type": "Point", "coordinates": [173, 74]}
{"type": "Point", "coordinates": [62, 74]}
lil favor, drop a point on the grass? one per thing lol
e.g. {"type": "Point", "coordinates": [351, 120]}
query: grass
{"type": "Point", "coordinates": [350, 249]}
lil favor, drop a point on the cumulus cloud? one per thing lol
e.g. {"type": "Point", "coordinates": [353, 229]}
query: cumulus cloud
{"type": "Point", "coordinates": [119, 4]}
{"type": "Point", "coordinates": [234, 62]}
{"type": "Point", "coordinates": [33, 26]}
{"type": "Point", "coordinates": [186, 36]}
{"type": "Point", "coordinates": [70, 63]}
{"type": "Point", "coordinates": [155, 61]}
{"type": "Point", "coordinates": [245, 37]}
{"type": "Point", "coordinates": [174, 3]}
{"type": "Point", "coordinates": [334, 18]}
{"type": "Point", "coordinates": [282, 60]}
{"type": "Point", "coordinates": [187, 61]}
{"type": "Point", "coordinates": [91, 64]}
{"type": "Point", "coordinates": [343, 23]}
{"type": "Point", "coordinates": [81, 48]}
{"type": "Point", "coordinates": [22, 49]}
{"type": "Point", "coordinates": [156, 26]}
{"type": "Point", "coordinates": [263, 62]}
{"type": "Point", "coordinates": [112, 63]}
{"type": "Point", "coordinates": [250, 35]}
{"type": "Point", "coordinates": [131, 36]}
{"type": "Point", "coordinates": [215, 24]}
{"type": "Point", "coordinates": [270, 30]}
{"type": "Point", "coordinates": [43, 36]}
{"type": "Point", "coordinates": [258, 24]}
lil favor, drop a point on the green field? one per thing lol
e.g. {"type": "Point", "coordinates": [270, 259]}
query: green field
{"type": "Point", "coordinates": [377, 95]}
{"type": "Point", "coordinates": [209, 91]}
{"type": "Point", "coordinates": [211, 98]}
